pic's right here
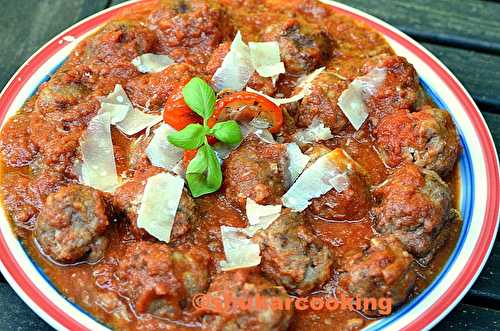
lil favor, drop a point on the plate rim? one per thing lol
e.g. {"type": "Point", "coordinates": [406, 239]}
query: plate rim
{"type": "Point", "coordinates": [59, 319]}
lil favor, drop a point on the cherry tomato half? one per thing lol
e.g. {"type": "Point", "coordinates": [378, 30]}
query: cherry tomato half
{"type": "Point", "coordinates": [249, 105]}
{"type": "Point", "coordinates": [176, 112]}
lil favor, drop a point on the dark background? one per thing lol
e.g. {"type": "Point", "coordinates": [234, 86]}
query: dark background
{"type": "Point", "coordinates": [464, 34]}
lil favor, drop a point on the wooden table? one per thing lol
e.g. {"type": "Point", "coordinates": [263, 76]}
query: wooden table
{"type": "Point", "coordinates": [464, 34]}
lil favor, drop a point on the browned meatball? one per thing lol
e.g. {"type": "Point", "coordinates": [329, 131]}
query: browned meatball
{"type": "Point", "coordinates": [255, 170]}
{"type": "Point", "coordinates": [127, 200]}
{"type": "Point", "coordinates": [72, 224]}
{"type": "Point", "coordinates": [246, 284]}
{"type": "Point", "coordinates": [384, 270]}
{"type": "Point", "coordinates": [354, 202]}
{"type": "Point", "coordinates": [59, 94]}
{"type": "Point", "coordinates": [414, 205]}
{"type": "Point", "coordinates": [427, 138]}
{"type": "Point", "coordinates": [399, 89]}
{"type": "Point", "coordinates": [292, 256]}
{"type": "Point", "coordinates": [303, 47]}
{"type": "Point", "coordinates": [321, 103]}
{"type": "Point", "coordinates": [110, 52]}
{"type": "Point", "coordinates": [152, 90]}
{"type": "Point", "coordinates": [157, 279]}
{"type": "Point", "coordinates": [189, 31]}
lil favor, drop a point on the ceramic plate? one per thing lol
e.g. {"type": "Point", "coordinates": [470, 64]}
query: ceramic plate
{"type": "Point", "coordinates": [479, 191]}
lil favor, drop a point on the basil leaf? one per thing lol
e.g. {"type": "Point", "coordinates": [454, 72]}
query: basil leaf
{"type": "Point", "coordinates": [202, 176]}
{"type": "Point", "coordinates": [214, 171]}
{"type": "Point", "coordinates": [200, 97]}
{"type": "Point", "coordinates": [228, 132]}
{"type": "Point", "coordinates": [191, 137]}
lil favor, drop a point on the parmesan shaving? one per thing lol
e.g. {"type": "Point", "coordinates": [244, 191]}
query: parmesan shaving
{"type": "Point", "coordinates": [352, 100]}
{"type": "Point", "coordinates": [317, 131]}
{"type": "Point", "coordinates": [303, 84]}
{"type": "Point", "coordinates": [328, 172]}
{"type": "Point", "coordinates": [98, 169]}
{"type": "Point", "coordinates": [297, 161]}
{"type": "Point", "coordinates": [149, 62]}
{"type": "Point", "coordinates": [117, 104]}
{"type": "Point", "coordinates": [136, 121]}
{"type": "Point", "coordinates": [236, 68]}
{"type": "Point", "coordinates": [159, 205]}
{"type": "Point", "coordinates": [266, 59]}
{"type": "Point", "coordinates": [261, 215]}
{"type": "Point", "coordinates": [160, 152]}
{"type": "Point", "coordinates": [240, 251]}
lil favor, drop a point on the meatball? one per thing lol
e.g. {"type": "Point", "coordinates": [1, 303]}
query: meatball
{"type": "Point", "coordinates": [246, 284]}
{"type": "Point", "coordinates": [427, 138]}
{"type": "Point", "coordinates": [72, 224]}
{"type": "Point", "coordinates": [321, 103]}
{"type": "Point", "coordinates": [155, 278]}
{"type": "Point", "coordinates": [152, 90]}
{"type": "Point", "coordinates": [255, 170]}
{"type": "Point", "coordinates": [399, 90]}
{"type": "Point", "coordinates": [109, 53]}
{"type": "Point", "coordinates": [59, 94]}
{"type": "Point", "coordinates": [190, 31]}
{"type": "Point", "coordinates": [354, 202]}
{"type": "Point", "coordinates": [384, 270]}
{"type": "Point", "coordinates": [127, 200]}
{"type": "Point", "coordinates": [292, 256]}
{"type": "Point", "coordinates": [414, 205]}
{"type": "Point", "coordinates": [303, 46]}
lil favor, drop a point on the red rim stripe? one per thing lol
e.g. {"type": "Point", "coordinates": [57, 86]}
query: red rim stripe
{"type": "Point", "coordinates": [427, 317]}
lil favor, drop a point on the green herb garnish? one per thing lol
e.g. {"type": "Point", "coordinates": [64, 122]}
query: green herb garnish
{"type": "Point", "coordinates": [203, 174]}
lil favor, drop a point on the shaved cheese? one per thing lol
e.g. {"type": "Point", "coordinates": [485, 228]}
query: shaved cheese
{"type": "Point", "coordinates": [314, 133]}
{"type": "Point", "coordinates": [179, 169]}
{"type": "Point", "coordinates": [236, 68]}
{"type": "Point", "coordinates": [297, 161]}
{"type": "Point", "coordinates": [159, 205]}
{"type": "Point", "coordinates": [262, 215]}
{"type": "Point", "coordinates": [152, 62]}
{"type": "Point", "coordinates": [98, 169]}
{"type": "Point", "coordinates": [160, 152]}
{"type": "Point", "coordinates": [117, 104]}
{"type": "Point", "coordinates": [304, 86]}
{"type": "Point", "coordinates": [266, 59]}
{"type": "Point", "coordinates": [240, 251]}
{"type": "Point", "coordinates": [136, 121]}
{"type": "Point", "coordinates": [328, 172]}
{"type": "Point", "coordinates": [352, 100]}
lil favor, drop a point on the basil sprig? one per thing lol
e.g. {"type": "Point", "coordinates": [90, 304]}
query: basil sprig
{"type": "Point", "coordinates": [203, 174]}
